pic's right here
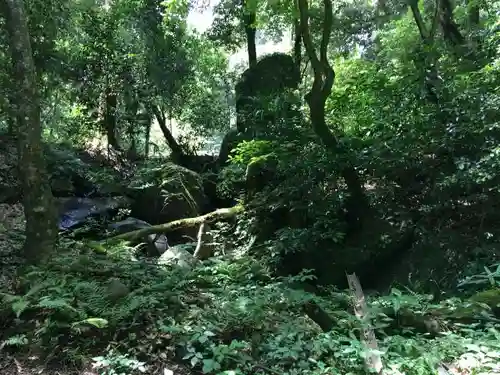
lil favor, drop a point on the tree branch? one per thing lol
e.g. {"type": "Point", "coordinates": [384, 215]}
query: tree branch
{"type": "Point", "coordinates": [306, 36]}
{"type": "Point", "coordinates": [220, 214]}
{"type": "Point", "coordinates": [418, 19]}
{"type": "Point", "coordinates": [329, 73]}
{"type": "Point", "coordinates": [177, 151]}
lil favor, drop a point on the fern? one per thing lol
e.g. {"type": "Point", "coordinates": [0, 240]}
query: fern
{"type": "Point", "coordinates": [16, 340]}
{"type": "Point", "coordinates": [55, 304]}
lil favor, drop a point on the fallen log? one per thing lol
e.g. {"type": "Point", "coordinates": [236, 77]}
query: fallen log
{"type": "Point", "coordinates": [220, 214]}
{"type": "Point", "coordinates": [373, 362]}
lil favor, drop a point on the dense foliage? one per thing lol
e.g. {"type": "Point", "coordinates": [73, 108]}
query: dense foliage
{"type": "Point", "coordinates": [371, 149]}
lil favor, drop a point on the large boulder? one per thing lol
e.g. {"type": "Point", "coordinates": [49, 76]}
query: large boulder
{"type": "Point", "coordinates": [67, 173]}
{"type": "Point", "coordinates": [178, 256]}
{"type": "Point", "coordinates": [273, 74]}
{"type": "Point", "coordinates": [232, 138]}
{"type": "Point", "coordinates": [77, 173]}
{"type": "Point", "coordinates": [259, 173]}
{"type": "Point", "coordinates": [75, 212]}
{"type": "Point", "coordinates": [167, 193]}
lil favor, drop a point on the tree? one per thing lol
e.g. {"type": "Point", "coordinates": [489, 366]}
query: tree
{"type": "Point", "coordinates": [324, 76]}
{"type": "Point", "coordinates": [37, 197]}
{"type": "Point", "coordinates": [249, 18]}
{"type": "Point", "coordinates": [230, 33]}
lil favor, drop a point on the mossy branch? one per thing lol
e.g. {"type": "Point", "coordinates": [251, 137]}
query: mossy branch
{"type": "Point", "coordinates": [220, 214]}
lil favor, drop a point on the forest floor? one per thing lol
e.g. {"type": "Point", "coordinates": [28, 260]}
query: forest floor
{"type": "Point", "coordinates": [15, 365]}
{"type": "Point", "coordinates": [204, 299]}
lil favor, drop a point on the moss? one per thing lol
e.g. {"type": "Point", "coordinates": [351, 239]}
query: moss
{"type": "Point", "coordinates": [489, 297]}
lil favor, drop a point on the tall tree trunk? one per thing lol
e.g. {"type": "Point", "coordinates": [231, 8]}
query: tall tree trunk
{"type": "Point", "coordinates": [133, 122]}
{"type": "Point", "coordinates": [249, 17]}
{"type": "Point", "coordinates": [426, 59]}
{"type": "Point", "coordinates": [297, 43]}
{"type": "Point", "coordinates": [324, 75]}
{"type": "Point", "coordinates": [473, 13]}
{"type": "Point", "coordinates": [109, 118]}
{"type": "Point", "coordinates": [11, 125]}
{"type": "Point", "coordinates": [146, 122]}
{"type": "Point", "coordinates": [38, 202]}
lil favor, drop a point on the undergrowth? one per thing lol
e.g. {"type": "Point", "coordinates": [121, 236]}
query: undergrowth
{"type": "Point", "coordinates": [229, 316]}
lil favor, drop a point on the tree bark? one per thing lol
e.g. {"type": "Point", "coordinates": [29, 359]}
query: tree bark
{"type": "Point", "coordinates": [147, 133]}
{"type": "Point", "coordinates": [205, 243]}
{"type": "Point", "coordinates": [219, 214]}
{"type": "Point", "coordinates": [428, 62]}
{"type": "Point", "coordinates": [249, 17]}
{"type": "Point", "coordinates": [324, 76]}
{"type": "Point", "coordinates": [450, 28]}
{"type": "Point", "coordinates": [39, 208]}
{"type": "Point", "coordinates": [177, 152]}
{"type": "Point", "coordinates": [297, 42]}
{"type": "Point", "coordinates": [109, 118]}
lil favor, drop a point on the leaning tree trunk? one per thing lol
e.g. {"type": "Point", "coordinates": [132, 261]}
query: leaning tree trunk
{"type": "Point", "coordinates": [450, 29]}
{"type": "Point", "coordinates": [38, 204]}
{"type": "Point", "coordinates": [177, 151]}
{"type": "Point", "coordinates": [324, 75]}
{"type": "Point", "coordinates": [426, 59]}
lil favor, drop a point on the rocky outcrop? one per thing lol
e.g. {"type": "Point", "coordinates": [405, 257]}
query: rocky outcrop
{"type": "Point", "coordinates": [168, 193]}
{"type": "Point", "coordinates": [272, 75]}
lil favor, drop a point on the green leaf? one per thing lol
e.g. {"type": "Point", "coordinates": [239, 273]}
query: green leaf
{"type": "Point", "coordinates": [210, 365]}
{"type": "Point", "coordinates": [96, 322]}
{"type": "Point", "coordinates": [194, 361]}
{"type": "Point", "coordinates": [19, 306]}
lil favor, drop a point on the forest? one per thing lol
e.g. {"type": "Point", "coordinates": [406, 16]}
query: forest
{"type": "Point", "coordinates": [326, 210]}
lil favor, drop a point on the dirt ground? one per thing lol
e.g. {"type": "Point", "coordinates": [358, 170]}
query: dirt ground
{"type": "Point", "coordinates": [10, 365]}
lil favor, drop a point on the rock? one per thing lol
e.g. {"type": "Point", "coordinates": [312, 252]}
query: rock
{"type": "Point", "coordinates": [232, 138]}
{"type": "Point", "coordinates": [259, 173]}
{"type": "Point", "coordinates": [491, 298]}
{"type": "Point", "coordinates": [116, 290]}
{"type": "Point", "coordinates": [10, 194]}
{"type": "Point", "coordinates": [62, 187]}
{"type": "Point", "coordinates": [68, 174]}
{"type": "Point", "coordinates": [168, 193]}
{"type": "Point", "coordinates": [178, 255]}
{"type": "Point", "coordinates": [10, 187]}
{"type": "Point", "coordinates": [74, 212]}
{"type": "Point", "coordinates": [273, 74]}
{"type": "Point", "coordinates": [199, 163]}
{"type": "Point", "coordinates": [157, 243]}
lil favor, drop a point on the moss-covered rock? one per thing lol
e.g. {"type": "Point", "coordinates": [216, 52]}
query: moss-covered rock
{"type": "Point", "coordinates": [273, 74]}
{"type": "Point", "coordinates": [167, 193]}
{"type": "Point", "coordinates": [490, 297]}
